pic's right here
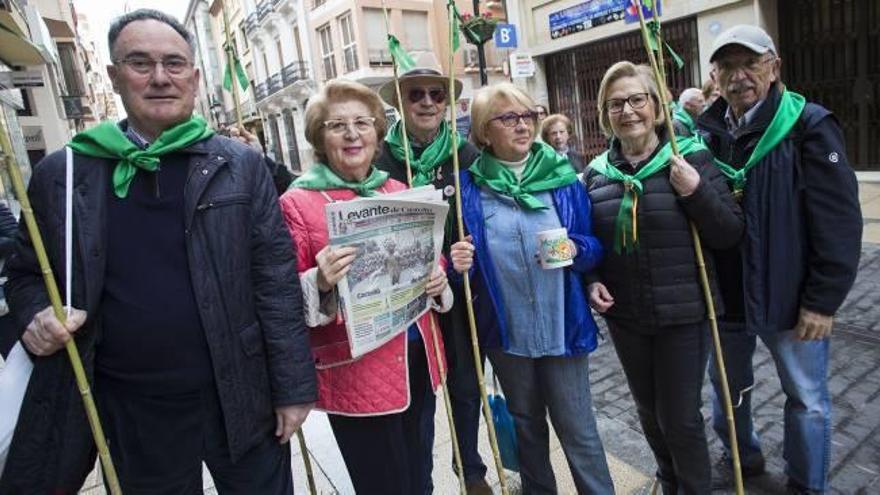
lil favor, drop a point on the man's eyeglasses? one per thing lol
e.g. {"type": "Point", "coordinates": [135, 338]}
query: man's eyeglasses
{"type": "Point", "coordinates": [360, 124]}
{"type": "Point", "coordinates": [416, 95]}
{"type": "Point", "coordinates": [174, 66]}
{"type": "Point", "coordinates": [636, 101]}
{"type": "Point", "coordinates": [751, 64]}
{"type": "Point", "coordinates": [511, 119]}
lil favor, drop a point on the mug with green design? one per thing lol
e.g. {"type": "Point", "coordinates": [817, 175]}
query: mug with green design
{"type": "Point", "coordinates": [555, 249]}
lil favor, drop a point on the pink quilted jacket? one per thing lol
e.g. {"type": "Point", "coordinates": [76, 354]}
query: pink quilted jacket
{"type": "Point", "coordinates": [376, 383]}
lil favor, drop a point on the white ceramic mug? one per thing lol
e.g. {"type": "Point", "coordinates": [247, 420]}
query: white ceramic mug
{"type": "Point", "coordinates": [555, 250]}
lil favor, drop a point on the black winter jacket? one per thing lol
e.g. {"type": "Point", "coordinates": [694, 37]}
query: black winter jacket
{"type": "Point", "coordinates": [803, 219]}
{"type": "Point", "coordinates": [658, 284]}
{"type": "Point", "coordinates": [244, 277]}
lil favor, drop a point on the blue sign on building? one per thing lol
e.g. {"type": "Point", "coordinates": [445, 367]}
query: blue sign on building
{"type": "Point", "coordinates": [632, 13]}
{"type": "Point", "coordinates": [586, 15]}
{"type": "Point", "coordinates": [505, 36]}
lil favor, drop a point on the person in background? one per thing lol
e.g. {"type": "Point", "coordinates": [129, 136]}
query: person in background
{"type": "Point", "coordinates": [188, 314]}
{"type": "Point", "coordinates": [381, 404]}
{"type": "Point", "coordinates": [784, 282]}
{"type": "Point", "coordinates": [648, 287]}
{"type": "Point", "coordinates": [426, 96]}
{"type": "Point", "coordinates": [534, 323]}
{"type": "Point", "coordinates": [556, 131]}
{"type": "Point", "coordinates": [690, 106]}
{"type": "Point", "coordinates": [710, 93]}
{"type": "Point", "coordinates": [282, 177]}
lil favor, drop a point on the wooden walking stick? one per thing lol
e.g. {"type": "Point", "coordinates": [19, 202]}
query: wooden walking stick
{"type": "Point", "coordinates": [456, 451]}
{"type": "Point", "coordinates": [79, 373]}
{"type": "Point", "coordinates": [659, 75]}
{"type": "Point", "coordinates": [310, 477]}
{"type": "Point", "coordinates": [478, 362]}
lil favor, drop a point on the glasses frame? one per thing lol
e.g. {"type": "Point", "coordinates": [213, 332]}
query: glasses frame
{"type": "Point", "coordinates": [626, 101]}
{"type": "Point", "coordinates": [529, 118]}
{"type": "Point", "coordinates": [187, 68]}
{"type": "Point", "coordinates": [349, 124]}
{"type": "Point", "coordinates": [436, 95]}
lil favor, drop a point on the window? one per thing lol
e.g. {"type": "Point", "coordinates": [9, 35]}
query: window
{"type": "Point", "coordinates": [415, 30]}
{"type": "Point", "coordinates": [72, 77]}
{"type": "Point", "coordinates": [377, 43]}
{"type": "Point", "coordinates": [318, 3]}
{"type": "Point", "coordinates": [244, 40]}
{"type": "Point", "coordinates": [349, 44]}
{"type": "Point", "coordinates": [280, 53]}
{"type": "Point", "coordinates": [327, 55]}
{"type": "Point", "coordinates": [28, 110]}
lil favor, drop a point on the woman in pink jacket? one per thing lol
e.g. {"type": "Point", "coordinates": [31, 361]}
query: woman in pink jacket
{"type": "Point", "coordinates": [381, 404]}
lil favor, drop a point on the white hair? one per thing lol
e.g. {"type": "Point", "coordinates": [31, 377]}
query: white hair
{"type": "Point", "coordinates": [687, 94]}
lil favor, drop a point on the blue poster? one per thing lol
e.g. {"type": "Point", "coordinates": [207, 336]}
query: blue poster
{"type": "Point", "coordinates": [585, 15]}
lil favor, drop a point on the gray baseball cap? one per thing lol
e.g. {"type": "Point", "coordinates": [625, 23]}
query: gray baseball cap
{"type": "Point", "coordinates": [751, 37]}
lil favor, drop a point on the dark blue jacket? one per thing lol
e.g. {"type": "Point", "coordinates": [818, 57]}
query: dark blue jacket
{"type": "Point", "coordinates": [803, 220]}
{"type": "Point", "coordinates": [573, 207]}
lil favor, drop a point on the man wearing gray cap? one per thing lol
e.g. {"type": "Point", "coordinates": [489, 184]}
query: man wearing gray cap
{"type": "Point", "coordinates": [786, 161]}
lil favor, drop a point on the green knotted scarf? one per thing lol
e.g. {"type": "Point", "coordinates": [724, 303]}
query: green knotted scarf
{"type": "Point", "coordinates": [433, 156]}
{"type": "Point", "coordinates": [626, 233]}
{"type": "Point", "coordinates": [544, 170]}
{"type": "Point", "coordinates": [321, 178]}
{"type": "Point", "coordinates": [787, 114]}
{"type": "Point", "coordinates": [108, 141]}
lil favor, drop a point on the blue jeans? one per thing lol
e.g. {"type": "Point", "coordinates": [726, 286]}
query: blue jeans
{"type": "Point", "coordinates": [561, 386]}
{"type": "Point", "coordinates": [803, 372]}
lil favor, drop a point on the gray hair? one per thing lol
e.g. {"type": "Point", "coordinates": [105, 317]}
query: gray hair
{"type": "Point", "coordinates": [148, 14]}
{"type": "Point", "coordinates": [687, 94]}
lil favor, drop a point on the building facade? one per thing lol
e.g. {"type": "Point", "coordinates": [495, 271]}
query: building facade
{"type": "Point", "coordinates": [830, 52]}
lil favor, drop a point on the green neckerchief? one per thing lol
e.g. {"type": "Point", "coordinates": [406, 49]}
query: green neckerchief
{"type": "Point", "coordinates": [626, 233]}
{"type": "Point", "coordinates": [321, 178]}
{"type": "Point", "coordinates": [544, 170]}
{"type": "Point", "coordinates": [682, 115]}
{"type": "Point", "coordinates": [434, 155]}
{"type": "Point", "coordinates": [787, 114]}
{"type": "Point", "coordinates": [108, 141]}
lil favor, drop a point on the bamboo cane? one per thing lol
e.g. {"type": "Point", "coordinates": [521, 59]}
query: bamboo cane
{"type": "Point", "coordinates": [659, 75]}
{"type": "Point", "coordinates": [82, 382]}
{"type": "Point", "coordinates": [456, 450]}
{"type": "Point", "coordinates": [478, 362]}
{"type": "Point", "coordinates": [230, 61]}
{"type": "Point", "coordinates": [310, 477]}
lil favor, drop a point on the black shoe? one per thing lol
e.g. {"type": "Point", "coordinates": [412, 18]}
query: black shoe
{"type": "Point", "coordinates": [722, 471]}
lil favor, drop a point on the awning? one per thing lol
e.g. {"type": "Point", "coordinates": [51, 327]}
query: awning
{"type": "Point", "coordinates": [15, 50]}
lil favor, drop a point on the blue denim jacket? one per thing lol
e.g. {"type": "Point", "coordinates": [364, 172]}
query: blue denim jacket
{"type": "Point", "coordinates": [573, 207]}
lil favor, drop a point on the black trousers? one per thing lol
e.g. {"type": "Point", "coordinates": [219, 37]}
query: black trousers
{"type": "Point", "coordinates": [392, 454]}
{"type": "Point", "coordinates": [158, 444]}
{"type": "Point", "coordinates": [665, 373]}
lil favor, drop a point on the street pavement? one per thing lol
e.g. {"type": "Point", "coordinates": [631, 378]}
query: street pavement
{"type": "Point", "coordinates": [854, 380]}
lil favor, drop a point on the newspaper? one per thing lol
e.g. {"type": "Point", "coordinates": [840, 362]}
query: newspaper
{"type": "Point", "coordinates": [399, 237]}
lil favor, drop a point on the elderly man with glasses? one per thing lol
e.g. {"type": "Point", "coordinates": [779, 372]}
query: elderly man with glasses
{"type": "Point", "coordinates": [189, 318]}
{"type": "Point", "coordinates": [786, 160]}
{"type": "Point", "coordinates": [425, 99]}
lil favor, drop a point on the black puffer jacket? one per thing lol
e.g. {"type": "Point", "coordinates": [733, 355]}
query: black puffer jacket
{"type": "Point", "coordinates": [244, 279]}
{"type": "Point", "coordinates": [658, 284]}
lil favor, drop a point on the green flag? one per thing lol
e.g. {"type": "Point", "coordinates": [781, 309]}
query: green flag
{"type": "Point", "coordinates": [653, 40]}
{"type": "Point", "coordinates": [456, 42]}
{"type": "Point", "coordinates": [239, 74]}
{"type": "Point", "coordinates": [403, 59]}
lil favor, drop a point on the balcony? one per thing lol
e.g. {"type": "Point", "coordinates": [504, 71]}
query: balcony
{"type": "Point", "coordinates": [293, 72]}
{"type": "Point", "coordinates": [379, 57]}
{"type": "Point", "coordinates": [275, 83]}
{"type": "Point", "coordinates": [261, 91]}
{"type": "Point", "coordinates": [265, 8]}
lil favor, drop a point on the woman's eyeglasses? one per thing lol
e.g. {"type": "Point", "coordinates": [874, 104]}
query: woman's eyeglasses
{"type": "Point", "coordinates": [636, 101]}
{"type": "Point", "coordinates": [511, 119]}
{"type": "Point", "coordinates": [416, 95]}
{"type": "Point", "coordinates": [340, 126]}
